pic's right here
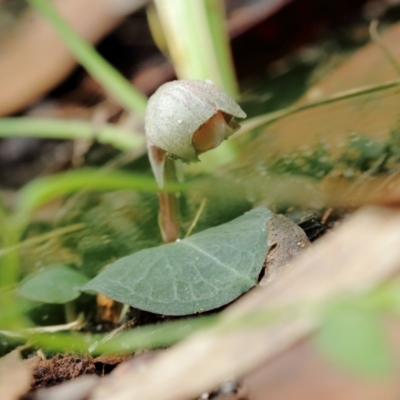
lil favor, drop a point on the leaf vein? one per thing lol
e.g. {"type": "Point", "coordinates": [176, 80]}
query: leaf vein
{"type": "Point", "coordinates": [215, 259]}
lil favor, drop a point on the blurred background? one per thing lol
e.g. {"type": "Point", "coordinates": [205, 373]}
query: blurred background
{"type": "Point", "coordinates": [270, 55]}
{"type": "Point", "coordinates": [278, 49]}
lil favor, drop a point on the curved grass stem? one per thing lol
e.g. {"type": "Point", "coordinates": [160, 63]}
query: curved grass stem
{"type": "Point", "coordinates": [120, 138]}
{"type": "Point", "coordinates": [119, 87]}
{"type": "Point", "coordinates": [269, 118]}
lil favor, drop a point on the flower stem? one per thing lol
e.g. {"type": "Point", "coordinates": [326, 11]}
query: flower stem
{"type": "Point", "coordinates": [168, 215]}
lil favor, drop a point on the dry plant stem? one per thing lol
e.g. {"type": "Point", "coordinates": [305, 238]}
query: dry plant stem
{"type": "Point", "coordinates": [169, 207]}
{"type": "Point", "coordinates": [197, 217]}
{"type": "Point", "coordinates": [116, 332]}
{"type": "Point", "coordinates": [76, 325]}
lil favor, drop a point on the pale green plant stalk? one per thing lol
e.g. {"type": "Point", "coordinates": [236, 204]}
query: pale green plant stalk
{"type": "Point", "coordinates": [198, 41]}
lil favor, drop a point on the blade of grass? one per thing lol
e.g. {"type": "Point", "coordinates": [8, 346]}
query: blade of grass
{"type": "Point", "coordinates": [155, 335]}
{"type": "Point", "coordinates": [51, 187]}
{"type": "Point", "coordinates": [145, 337]}
{"type": "Point", "coordinates": [121, 139]}
{"type": "Point", "coordinates": [269, 118]}
{"type": "Point", "coordinates": [98, 67]}
{"type": "Point", "coordinates": [142, 337]}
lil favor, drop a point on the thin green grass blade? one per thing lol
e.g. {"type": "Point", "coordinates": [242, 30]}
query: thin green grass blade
{"type": "Point", "coordinates": [120, 138]}
{"type": "Point", "coordinates": [98, 67]}
{"type": "Point", "coordinates": [144, 337]}
{"type": "Point", "coordinates": [48, 188]}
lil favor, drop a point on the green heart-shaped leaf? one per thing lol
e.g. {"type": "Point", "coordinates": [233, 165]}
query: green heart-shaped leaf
{"type": "Point", "coordinates": [196, 274]}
